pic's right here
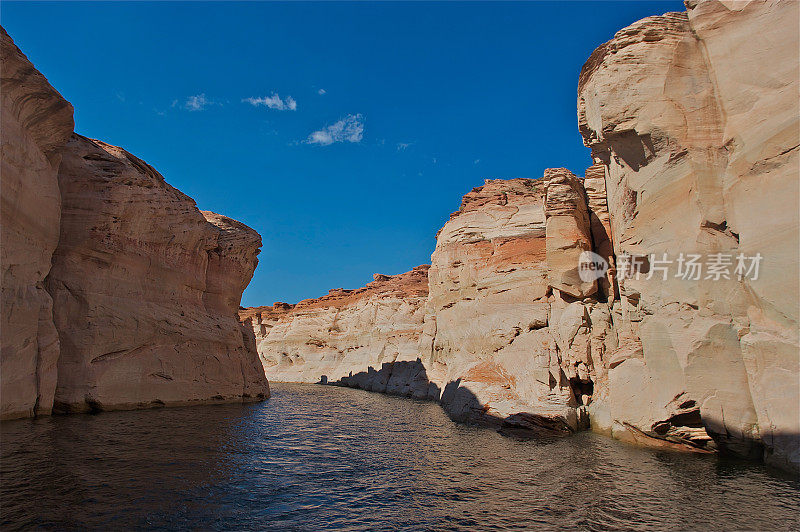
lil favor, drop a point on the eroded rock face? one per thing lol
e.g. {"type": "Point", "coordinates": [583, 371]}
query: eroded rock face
{"type": "Point", "coordinates": [693, 118]}
{"type": "Point", "coordinates": [36, 124]}
{"type": "Point", "coordinates": [492, 331]}
{"type": "Point", "coordinates": [139, 306]}
{"type": "Point", "coordinates": [569, 232]}
{"type": "Point", "coordinates": [146, 289]}
{"type": "Point", "coordinates": [367, 338]}
{"type": "Point", "coordinates": [489, 287]}
{"type": "Point", "coordinates": [516, 333]}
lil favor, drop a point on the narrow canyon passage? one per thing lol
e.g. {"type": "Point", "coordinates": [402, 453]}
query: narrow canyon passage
{"type": "Point", "coordinates": [314, 458]}
{"type": "Point", "coordinates": [583, 311]}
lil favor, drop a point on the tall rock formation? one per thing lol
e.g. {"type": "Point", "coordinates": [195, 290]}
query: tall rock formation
{"type": "Point", "coordinates": [499, 326]}
{"type": "Point", "coordinates": [36, 124]}
{"type": "Point", "coordinates": [146, 289]}
{"type": "Point", "coordinates": [690, 338]}
{"type": "Point", "coordinates": [361, 336]}
{"type": "Point", "coordinates": [139, 306]}
{"type": "Point", "coordinates": [693, 118]}
{"type": "Point", "coordinates": [509, 331]}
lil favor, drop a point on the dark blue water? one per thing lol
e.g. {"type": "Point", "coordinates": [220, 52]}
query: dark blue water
{"type": "Point", "coordinates": [315, 457]}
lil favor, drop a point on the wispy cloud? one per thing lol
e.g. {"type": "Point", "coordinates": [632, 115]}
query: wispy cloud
{"type": "Point", "coordinates": [349, 128]}
{"type": "Point", "coordinates": [273, 102]}
{"type": "Point", "coordinates": [321, 92]}
{"type": "Point", "coordinates": [476, 161]}
{"type": "Point", "coordinates": [403, 146]}
{"type": "Point", "coordinates": [197, 103]}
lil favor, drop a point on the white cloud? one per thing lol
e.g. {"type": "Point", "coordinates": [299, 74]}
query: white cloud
{"type": "Point", "coordinates": [402, 146]}
{"type": "Point", "coordinates": [476, 161]}
{"type": "Point", "coordinates": [196, 103]}
{"type": "Point", "coordinates": [349, 128]}
{"type": "Point", "coordinates": [321, 92]}
{"type": "Point", "coordinates": [273, 102]}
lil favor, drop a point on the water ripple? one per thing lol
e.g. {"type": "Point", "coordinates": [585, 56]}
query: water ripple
{"type": "Point", "coordinates": [315, 458]}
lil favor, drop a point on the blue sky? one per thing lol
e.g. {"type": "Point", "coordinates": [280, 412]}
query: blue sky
{"type": "Point", "coordinates": [344, 133]}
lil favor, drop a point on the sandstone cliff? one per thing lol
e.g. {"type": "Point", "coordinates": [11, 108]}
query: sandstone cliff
{"type": "Point", "coordinates": [501, 335]}
{"type": "Point", "coordinates": [486, 331]}
{"type": "Point", "coordinates": [358, 336]}
{"type": "Point", "coordinates": [145, 289]}
{"type": "Point", "coordinates": [692, 122]}
{"type": "Point", "coordinates": [36, 124]}
{"type": "Point", "coordinates": [693, 118]}
{"type": "Point", "coordinates": [139, 306]}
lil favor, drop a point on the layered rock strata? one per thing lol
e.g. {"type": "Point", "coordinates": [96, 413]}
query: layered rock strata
{"type": "Point", "coordinates": [117, 291]}
{"type": "Point", "coordinates": [368, 338]}
{"type": "Point", "coordinates": [493, 330]}
{"type": "Point", "coordinates": [508, 329]}
{"type": "Point", "coordinates": [693, 119]}
{"type": "Point", "coordinates": [689, 340]}
{"type": "Point", "coordinates": [146, 289]}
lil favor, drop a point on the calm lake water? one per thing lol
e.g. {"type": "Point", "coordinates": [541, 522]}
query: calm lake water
{"type": "Point", "coordinates": [316, 457]}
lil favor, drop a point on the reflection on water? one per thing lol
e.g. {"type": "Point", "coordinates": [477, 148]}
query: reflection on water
{"type": "Point", "coordinates": [315, 457]}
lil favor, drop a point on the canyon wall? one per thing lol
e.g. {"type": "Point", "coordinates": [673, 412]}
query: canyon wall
{"type": "Point", "coordinates": [145, 289]}
{"type": "Point", "coordinates": [497, 326]}
{"type": "Point", "coordinates": [36, 124]}
{"type": "Point", "coordinates": [367, 338]}
{"type": "Point", "coordinates": [117, 291]}
{"type": "Point", "coordinates": [689, 340]}
{"type": "Point", "coordinates": [693, 118]}
{"type": "Point", "coordinates": [508, 313]}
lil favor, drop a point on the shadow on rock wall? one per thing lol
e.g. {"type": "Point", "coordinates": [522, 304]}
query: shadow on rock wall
{"type": "Point", "coordinates": [410, 379]}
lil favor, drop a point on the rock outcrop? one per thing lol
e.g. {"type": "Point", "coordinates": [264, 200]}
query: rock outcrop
{"type": "Point", "coordinates": [36, 124]}
{"type": "Point", "coordinates": [492, 331]}
{"type": "Point", "coordinates": [693, 118]}
{"type": "Point", "coordinates": [139, 306]}
{"type": "Point", "coordinates": [689, 339]}
{"type": "Point", "coordinates": [368, 338]}
{"type": "Point", "coordinates": [501, 311]}
{"type": "Point", "coordinates": [146, 289]}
